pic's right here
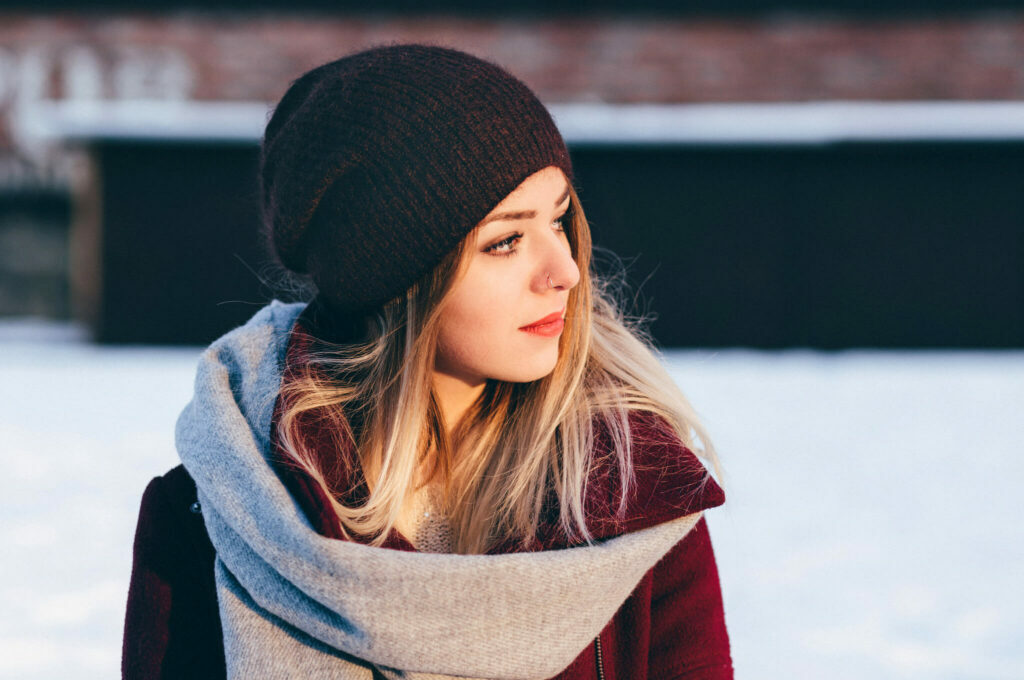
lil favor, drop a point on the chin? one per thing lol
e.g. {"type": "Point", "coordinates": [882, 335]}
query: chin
{"type": "Point", "coordinates": [524, 372]}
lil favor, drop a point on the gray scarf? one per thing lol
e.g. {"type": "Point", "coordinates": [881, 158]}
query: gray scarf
{"type": "Point", "coordinates": [295, 604]}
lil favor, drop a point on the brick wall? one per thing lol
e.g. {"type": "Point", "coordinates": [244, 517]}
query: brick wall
{"type": "Point", "coordinates": [241, 57]}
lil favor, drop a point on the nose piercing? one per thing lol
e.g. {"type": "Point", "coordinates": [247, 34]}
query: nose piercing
{"type": "Point", "coordinates": [549, 281]}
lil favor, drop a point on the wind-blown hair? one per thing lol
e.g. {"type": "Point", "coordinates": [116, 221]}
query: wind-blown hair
{"type": "Point", "coordinates": [516, 444]}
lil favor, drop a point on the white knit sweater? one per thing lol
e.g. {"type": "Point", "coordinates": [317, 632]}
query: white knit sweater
{"type": "Point", "coordinates": [432, 532]}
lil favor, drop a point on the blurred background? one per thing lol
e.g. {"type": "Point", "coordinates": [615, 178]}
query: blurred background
{"type": "Point", "coordinates": [818, 203]}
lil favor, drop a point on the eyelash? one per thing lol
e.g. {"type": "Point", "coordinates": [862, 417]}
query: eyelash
{"type": "Point", "coordinates": [492, 249]}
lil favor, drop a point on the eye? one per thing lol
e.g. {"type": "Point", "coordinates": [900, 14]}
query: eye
{"type": "Point", "coordinates": [560, 221]}
{"type": "Point", "coordinates": [505, 247]}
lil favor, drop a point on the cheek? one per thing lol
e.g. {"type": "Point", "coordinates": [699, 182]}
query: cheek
{"type": "Point", "coordinates": [479, 335]}
{"type": "Point", "coordinates": [476, 326]}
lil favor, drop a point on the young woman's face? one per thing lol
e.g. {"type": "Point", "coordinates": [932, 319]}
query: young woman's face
{"type": "Point", "coordinates": [504, 316]}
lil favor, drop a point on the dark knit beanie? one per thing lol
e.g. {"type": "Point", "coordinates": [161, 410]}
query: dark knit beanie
{"type": "Point", "coordinates": [374, 166]}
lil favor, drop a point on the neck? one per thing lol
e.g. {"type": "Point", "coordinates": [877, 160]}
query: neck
{"type": "Point", "coordinates": [455, 394]}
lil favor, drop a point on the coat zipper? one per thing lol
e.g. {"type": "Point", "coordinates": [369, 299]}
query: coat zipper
{"type": "Point", "coordinates": [600, 659]}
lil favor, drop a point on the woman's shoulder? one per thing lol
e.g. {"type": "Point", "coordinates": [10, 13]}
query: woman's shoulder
{"type": "Point", "coordinates": [668, 479]}
{"type": "Point", "coordinates": [176, 482]}
{"type": "Point", "coordinates": [172, 494]}
{"type": "Point", "coordinates": [170, 519]}
{"type": "Point", "coordinates": [172, 625]}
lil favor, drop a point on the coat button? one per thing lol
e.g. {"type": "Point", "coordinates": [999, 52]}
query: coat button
{"type": "Point", "coordinates": [195, 508]}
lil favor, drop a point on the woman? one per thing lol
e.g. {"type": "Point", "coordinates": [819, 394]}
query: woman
{"type": "Point", "coordinates": [458, 459]}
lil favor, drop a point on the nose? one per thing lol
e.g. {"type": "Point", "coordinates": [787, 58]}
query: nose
{"type": "Point", "coordinates": [558, 269]}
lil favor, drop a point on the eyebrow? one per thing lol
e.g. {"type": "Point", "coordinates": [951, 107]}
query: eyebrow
{"type": "Point", "coordinates": [523, 214]}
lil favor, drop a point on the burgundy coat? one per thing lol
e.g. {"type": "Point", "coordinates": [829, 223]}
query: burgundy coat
{"type": "Point", "coordinates": [671, 626]}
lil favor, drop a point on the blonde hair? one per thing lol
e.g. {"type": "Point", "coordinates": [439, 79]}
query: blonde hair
{"type": "Point", "coordinates": [517, 443]}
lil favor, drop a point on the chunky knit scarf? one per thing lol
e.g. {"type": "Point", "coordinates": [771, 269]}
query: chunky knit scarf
{"type": "Point", "coordinates": [295, 604]}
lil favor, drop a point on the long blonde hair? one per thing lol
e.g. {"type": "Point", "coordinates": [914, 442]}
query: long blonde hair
{"type": "Point", "coordinates": [517, 443]}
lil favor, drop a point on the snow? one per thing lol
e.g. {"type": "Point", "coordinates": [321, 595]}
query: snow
{"type": "Point", "coordinates": [808, 122]}
{"type": "Point", "coordinates": [872, 529]}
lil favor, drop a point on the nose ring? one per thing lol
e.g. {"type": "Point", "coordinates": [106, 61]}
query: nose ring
{"type": "Point", "coordinates": [549, 281]}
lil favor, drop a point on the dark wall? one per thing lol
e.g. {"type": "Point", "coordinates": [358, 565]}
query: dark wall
{"type": "Point", "coordinates": [34, 252]}
{"type": "Point", "coordinates": [180, 252]}
{"type": "Point", "coordinates": [885, 245]}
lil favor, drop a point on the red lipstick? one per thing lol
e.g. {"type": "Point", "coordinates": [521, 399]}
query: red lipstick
{"type": "Point", "coordinates": [549, 327]}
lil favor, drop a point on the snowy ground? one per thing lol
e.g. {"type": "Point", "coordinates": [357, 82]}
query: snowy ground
{"type": "Point", "coordinates": [873, 528]}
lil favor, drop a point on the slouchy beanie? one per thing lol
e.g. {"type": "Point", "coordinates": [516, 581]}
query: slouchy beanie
{"type": "Point", "coordinates": [373, 167]}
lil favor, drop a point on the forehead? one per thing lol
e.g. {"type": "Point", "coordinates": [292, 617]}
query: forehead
{"type": "Point", "coordinates": [544, 186]}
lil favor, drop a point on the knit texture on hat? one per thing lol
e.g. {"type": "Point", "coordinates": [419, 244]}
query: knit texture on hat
{"type": "Point", "coordinates": [374, 166]}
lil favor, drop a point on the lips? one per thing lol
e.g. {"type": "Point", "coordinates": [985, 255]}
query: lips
{"type": "Point", "coordinates": [550, 326]}
{"type": "Point", "coordinates": [555, 316]}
